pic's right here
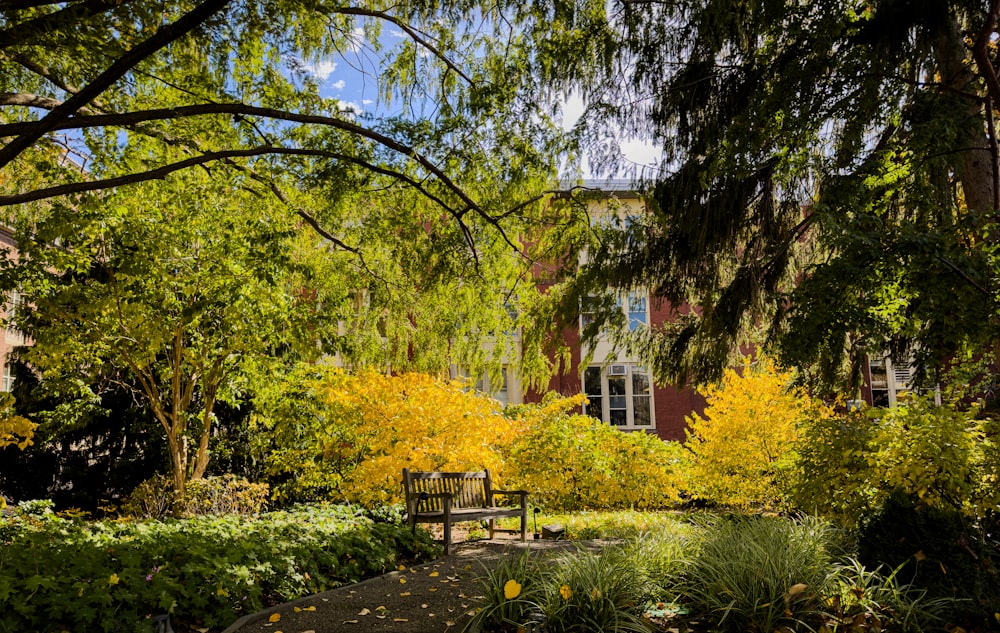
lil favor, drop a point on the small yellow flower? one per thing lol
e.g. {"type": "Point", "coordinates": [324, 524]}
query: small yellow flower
{"type": "Point", "coordinates": [565, 592]}
{"type": "Point", "coordinates": [595, 593]}
{"type": "Point", "coordinates": [221, 591]}
{"type": "Point", "coordinates": [511, 589]}
{"type": "Point", "coordinates": [113, 580]}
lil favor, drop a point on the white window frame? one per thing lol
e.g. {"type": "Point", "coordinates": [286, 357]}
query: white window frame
{"type": "Point", "coordinates": [600, 406]}
{"type": "Point", "coordinates": [483, 384]}
{"type": "Point", "coordinates": [634, 305]}
{"type": "Point", "coordinates": [898, 380]}
{"type": "Point", "coordinates": [7, 379]}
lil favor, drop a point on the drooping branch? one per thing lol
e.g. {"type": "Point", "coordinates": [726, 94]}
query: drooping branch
{"type": "Point", "coordinates": [163, 37]}
{"type": "Point", "coordinates": [409, 30]}
{"type": "Point", "coordinates": [141, 116]}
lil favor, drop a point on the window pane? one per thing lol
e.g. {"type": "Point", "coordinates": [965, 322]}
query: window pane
{"type": "Point", "coordinates": [640, 416]}
{"type": "Point", "coordinates": [594, 408]}
{"type": "Point", "coordinates": [636, 311]}
{"type": "Point", "coordinates": [592, 381]}
{"type": "Point", "coordinates": [640, 382]}
{"type": "Point", "coordinates": [879, 379]}
{"type": "Point", "coordinates": [616, 385]}
{"type": "Point", "coordinates": [618, 417]}
{"type": "Point", "coordinates": [618, 402]}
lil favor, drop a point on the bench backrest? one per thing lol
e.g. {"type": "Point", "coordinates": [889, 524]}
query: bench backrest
{"type": "Point", "coordinates": [468, 490]}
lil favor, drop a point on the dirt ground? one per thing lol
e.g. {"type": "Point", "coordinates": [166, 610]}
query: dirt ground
{"type": "Point", "coordinates": [436, 597]}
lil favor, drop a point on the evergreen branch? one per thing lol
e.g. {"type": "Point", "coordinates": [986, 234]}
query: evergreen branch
{"type": "Point", "coordinates": [162, 38]}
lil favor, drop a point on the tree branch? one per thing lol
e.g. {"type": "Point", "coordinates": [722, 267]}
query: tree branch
{"type": "Point", "coordinates": [33, 101]}
{"type": "Point", "coordinates": [25, 32]}
{"type": "Point", "coordinates": [414, 35]}
{"type": "Point", "coordinates": [163, 37]}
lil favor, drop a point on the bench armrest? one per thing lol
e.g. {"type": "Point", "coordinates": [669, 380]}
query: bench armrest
{"type": "Point", "coordinates": [510, 493]}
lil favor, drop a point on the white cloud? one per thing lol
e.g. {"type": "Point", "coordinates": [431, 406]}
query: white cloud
{"type": "Point", "coordinates": [367, 102]}
{"type": "Point", "coordinates": [338, 85]}
{"type": "Point", "coordinates": [321, 69]}
{"type": "Point", "coordinates": [349, 106]}
{"type": "Point", "coordinates": [356, 39]}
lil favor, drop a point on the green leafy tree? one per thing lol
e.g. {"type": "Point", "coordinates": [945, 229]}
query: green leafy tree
{"type": "Point", "coordinates": [829, 175]}
{"type": "Point", "coordinates": [188, 287]}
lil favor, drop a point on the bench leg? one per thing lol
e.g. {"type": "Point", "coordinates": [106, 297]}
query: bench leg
{"type": "Point", "coordinates": [524, 523]}
{"type": "Point", "coordinates": [447, 527]}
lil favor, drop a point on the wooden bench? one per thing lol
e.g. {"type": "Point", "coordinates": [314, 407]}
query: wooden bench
{"type": "Point", "coordinates": [439, 497]}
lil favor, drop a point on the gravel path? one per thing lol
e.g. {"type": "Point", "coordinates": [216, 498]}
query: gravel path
{"type": "Point", "coordinates": [435, 597]}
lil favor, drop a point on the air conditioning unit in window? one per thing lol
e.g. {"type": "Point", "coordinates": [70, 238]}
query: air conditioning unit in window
{"type": "Point", "coordinates": [618, 370]}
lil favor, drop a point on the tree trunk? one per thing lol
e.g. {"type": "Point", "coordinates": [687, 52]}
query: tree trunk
{"type": "Point", "coordinates": [974, 165]}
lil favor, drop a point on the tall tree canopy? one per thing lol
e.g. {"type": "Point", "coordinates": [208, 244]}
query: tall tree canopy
{"type": "Point", "coordinates": [136, 90]}
{"type": "Point", "coordinates": [829, 175]}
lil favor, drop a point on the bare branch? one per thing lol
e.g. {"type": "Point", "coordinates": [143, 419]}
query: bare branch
{"type": "Point", "coordinates": [163, 37]}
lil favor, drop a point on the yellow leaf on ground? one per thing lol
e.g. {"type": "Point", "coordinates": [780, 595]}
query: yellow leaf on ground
{"type": "Point", "coordinates": [432, 589]}
{"type": "Point", "coordinates": [296, 609]}
{"type": "Point", "coordinates": [312, 608]}
{"type": "Point", "coordinates": [511, 589]}
{"type": "Point", "coordinates": [405, 593]}
{"type": "Point", "coordinates": [350, 621]}
{"type": "Point", "coordinates": [365, 611]}
{"type": "Point", "coordinates": [402, 581]}
{"type": "Point", "coordinates": [400, 620]}
{"type": "Point", "coordinates": [274, 617]}
{"type": "Point", "coordinates": [402, 568]}
{"type": "Point", "coordinates": [434, 574]}
{"type": "Point", "coordinates": [797, 588]}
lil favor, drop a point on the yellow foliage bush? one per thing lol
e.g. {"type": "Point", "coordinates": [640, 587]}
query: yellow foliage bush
{"type": "Point", "coordinates": [14, 430]}
{"type": "Point", "coordinates": [574, 462]}
{"type": "Point", "coordinates": [360, 430]}
{"type": "Point", "coordinates": [742, 450]}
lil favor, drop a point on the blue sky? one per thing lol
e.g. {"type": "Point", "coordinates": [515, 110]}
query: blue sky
{"type": "Point", "coordinates": [352, 78]}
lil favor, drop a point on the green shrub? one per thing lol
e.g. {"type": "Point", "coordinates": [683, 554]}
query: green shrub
{"type": "Point", "coordinates": [205, 571]}
{"type": "Point", "coordinates": [941, 551]}
{"type": "Point", "coordinates": [576, 462]}
{"type": "Point", "coordinates": [945, 458]}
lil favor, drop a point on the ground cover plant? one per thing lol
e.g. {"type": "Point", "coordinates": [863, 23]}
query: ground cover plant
{"type": "Point", "coordinates": [59, 574]}
{"type": "Point", "coordinates": [708, 573]}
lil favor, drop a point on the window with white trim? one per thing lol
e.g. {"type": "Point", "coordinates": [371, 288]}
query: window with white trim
{"type": "Point", "coordinates": [620, 394]}
{"type": "Point", "coordinates": [498, 390]}
{"type": "Point", "coordinates": [888, 381]}
{"type": "Point", "coordinates": [7, 382]}
{"type": "Point", "coordinates": [634, 305]}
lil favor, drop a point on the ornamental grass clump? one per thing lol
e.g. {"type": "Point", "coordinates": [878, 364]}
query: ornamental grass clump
{"type": "Point", "coordinates": [759, 573]}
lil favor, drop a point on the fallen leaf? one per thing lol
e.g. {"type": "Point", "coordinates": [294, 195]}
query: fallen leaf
{"type": "Point", "coordinates": [567, 593]}
{"type": "Point", "coordinates": [449, 623]}
{"type": "Point", "coordinates": [511, 589]}
{"type": "Point", "coordinates": [423, 606]}
{"type": "Point", "coordinates": [402, 568]}
{"type": "Point", "coordinates": [365, 611]}
{"type": "Point", "coordinates": [432, 589]}
{"type": "Point", "coordinates": [402, 580]}
{"type": "Point", "coordinates": [296, 609]}
{"type": "Point", "coordinates": [920, 555]}
{"type": "Point", "coordinates": [468, 568]}
{"type": "Point", "coordinates": [434, 574]}
{"type": "Point", "coordinates": [274, 617]}
{"type": "Point", "coordinates": [405, 593]}
{"type": "Point", "coordinates": [381, 608]}
{"type": "Point", "coordinates": [400, 620]}
{"type": "Point", "coordinates": [796, 589]}
{"type": "Point", "coordinates": [350, 621]}
{"type": "Point", "coordinates": [310, 608]}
